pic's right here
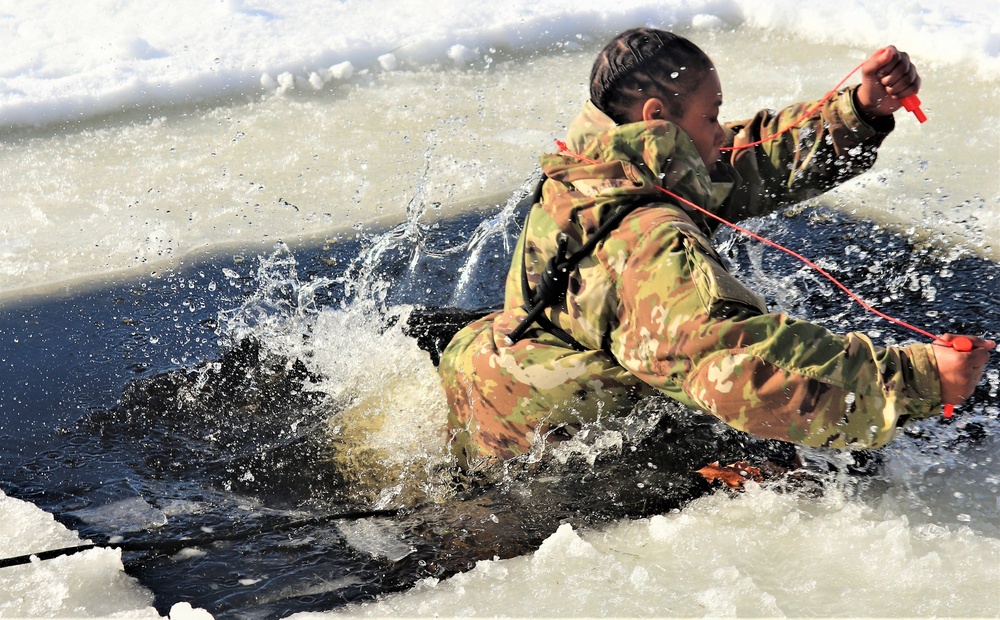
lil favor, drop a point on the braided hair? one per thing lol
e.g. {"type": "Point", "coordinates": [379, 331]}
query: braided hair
{"type": "Point", "coordinates": [642, 63]}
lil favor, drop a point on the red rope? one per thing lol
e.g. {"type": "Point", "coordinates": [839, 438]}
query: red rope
{"type": "Point", "coordinates": [910, 103]}
{"type": "Point", "coordinates": [959, 343]}
{"type": "Point", "coordinates": [799, 120]}
{"type": "Point", "coordinates": [565, 149]}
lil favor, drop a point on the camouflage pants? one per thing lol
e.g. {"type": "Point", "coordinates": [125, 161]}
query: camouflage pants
{"type": "Point", "coordinates": [505, 399]}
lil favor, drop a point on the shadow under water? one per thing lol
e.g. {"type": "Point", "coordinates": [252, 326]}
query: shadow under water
{"type": "Point", "coordinates": [166, 409]}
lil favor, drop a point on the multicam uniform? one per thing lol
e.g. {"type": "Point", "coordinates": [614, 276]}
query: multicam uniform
{"type": "Point", "coordinates": [656, 308]}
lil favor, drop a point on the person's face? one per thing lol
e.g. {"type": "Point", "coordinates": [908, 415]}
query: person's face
{"type": "Point", "coordinates": [701, 119]}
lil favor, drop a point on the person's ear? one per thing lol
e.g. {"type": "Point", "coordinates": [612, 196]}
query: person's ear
{"type": "Point", "coordinates": [653, 110]}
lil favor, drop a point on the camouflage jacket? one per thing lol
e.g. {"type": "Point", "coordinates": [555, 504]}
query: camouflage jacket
{"type": "Point", "coordinates": [657, 309]}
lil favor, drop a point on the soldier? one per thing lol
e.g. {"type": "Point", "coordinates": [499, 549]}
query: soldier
{"type": "Point", "coordinates": [651, 306]}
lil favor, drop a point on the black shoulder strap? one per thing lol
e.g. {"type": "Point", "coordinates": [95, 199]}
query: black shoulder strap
{"type": "Point", "coordinates": [554, 282]}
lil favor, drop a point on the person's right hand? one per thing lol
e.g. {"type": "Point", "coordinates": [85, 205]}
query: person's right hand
{"type": "Point", "coordinates": [886, 78]}
{"type": "Point", "coordinates": [960, 372]}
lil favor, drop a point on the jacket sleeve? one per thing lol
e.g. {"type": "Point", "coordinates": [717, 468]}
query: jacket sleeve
{"type": "Point", "coordinates": [832, 145]}
{"type": "Point", "coordinates": [688, 328]}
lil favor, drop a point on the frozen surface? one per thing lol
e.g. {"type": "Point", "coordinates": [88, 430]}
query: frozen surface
{"type": "Point", "coordinates": [762, 554]}
{"type": "Point", "coordinates": [67, 61]}
{"type": "Point", "coordinates": [133, 135]}
{"type": "Point", "coordinates": [88, 584]}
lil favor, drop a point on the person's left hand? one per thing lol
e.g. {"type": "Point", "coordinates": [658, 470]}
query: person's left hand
{"type": "Point", "coordinates": [886, 77]}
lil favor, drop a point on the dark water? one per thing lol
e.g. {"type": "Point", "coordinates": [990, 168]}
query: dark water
{"type": "Point", "coordinates": [131, 410]}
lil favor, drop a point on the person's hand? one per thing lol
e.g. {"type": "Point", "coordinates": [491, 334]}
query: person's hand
{"type": "Point", "coordinates": [961, 372]}
{"type": "Point", "coordinates": [886, 77]}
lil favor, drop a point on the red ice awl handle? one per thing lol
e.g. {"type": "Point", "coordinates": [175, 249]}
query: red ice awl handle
{"type": "Point", "coordinates": [962, 345]}
{"type": "Point", "coordinates": [912, 104]}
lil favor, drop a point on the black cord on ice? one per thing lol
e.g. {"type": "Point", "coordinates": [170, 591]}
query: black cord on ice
{"type": "Point", "coordinates": [176, 544]}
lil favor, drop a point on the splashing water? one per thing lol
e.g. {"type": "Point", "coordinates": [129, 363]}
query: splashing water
{"type": "Point", "coordinates": [385, 409]}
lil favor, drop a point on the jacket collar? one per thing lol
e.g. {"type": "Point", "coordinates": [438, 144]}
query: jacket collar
{"type": "Point", "coordinates": [656, 151]}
